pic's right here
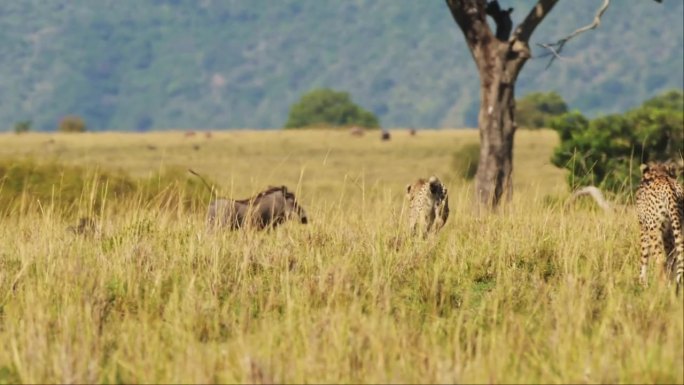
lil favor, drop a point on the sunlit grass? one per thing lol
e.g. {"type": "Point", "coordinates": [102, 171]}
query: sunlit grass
{"type": "Point", "coordinates": [539, 293]}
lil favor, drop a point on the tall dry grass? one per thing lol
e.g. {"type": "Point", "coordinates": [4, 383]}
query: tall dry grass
{"type": "Point", "coordinates": [538, 293]}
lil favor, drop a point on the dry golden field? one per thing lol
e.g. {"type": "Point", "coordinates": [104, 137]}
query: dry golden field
{"type": "Point", "coordinates": [537, 293]}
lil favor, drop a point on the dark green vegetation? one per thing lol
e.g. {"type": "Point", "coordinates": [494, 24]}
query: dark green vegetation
{"type": "Point", "coordinates": [140, 65]}
{"type": "Point", "coordinates": [607, 151]}
{"type": "Point", "coordinates": [22, 127]}
{"type": "Point", "coordinates": [326, 107]}
{"type": "Point", "coordinates": [465, 160]}
{"type": "Point", "coordinates": [537, 109]}
{"type": "Point", "coordinates": [72, 124]}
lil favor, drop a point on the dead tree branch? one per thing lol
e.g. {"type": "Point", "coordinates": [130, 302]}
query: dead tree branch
{"type": "Point", "coordinates": [556, 48]}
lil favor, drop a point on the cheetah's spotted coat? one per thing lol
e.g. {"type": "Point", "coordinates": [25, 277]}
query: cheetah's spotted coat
{"type": "Point", "coordinates": [660, 207]}
{"type": "Point", "coordinates": [428, 205]}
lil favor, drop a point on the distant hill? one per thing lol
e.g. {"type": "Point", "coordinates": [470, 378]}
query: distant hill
{"type": "Point", "coordinates": [153, 64]}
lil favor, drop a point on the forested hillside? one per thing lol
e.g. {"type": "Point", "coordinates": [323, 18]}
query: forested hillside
{"type": "Point", "coordinates": [159, 64]}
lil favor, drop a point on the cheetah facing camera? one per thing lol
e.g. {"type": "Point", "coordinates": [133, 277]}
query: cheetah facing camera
{"type": "Point", "coordinates": [660, 207]}
{"type": "Point", "coordinates": [428, 205]}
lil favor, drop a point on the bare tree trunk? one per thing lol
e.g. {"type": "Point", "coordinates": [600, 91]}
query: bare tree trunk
{"type": "Point", "coordinates": [499, 60]}
{"type": "Point", "coordinates": [497, 127]}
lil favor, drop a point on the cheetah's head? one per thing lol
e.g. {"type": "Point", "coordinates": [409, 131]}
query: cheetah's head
{"type": "Point", "coordinates": [652, 170]}
{"type": "Point", "coordinates": [437, 189]}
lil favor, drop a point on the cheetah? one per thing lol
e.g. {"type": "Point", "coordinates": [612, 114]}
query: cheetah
{"type": "Point", "coordinates": [428, 205]}
{"type": "Point", "coordinates": [660, 207]}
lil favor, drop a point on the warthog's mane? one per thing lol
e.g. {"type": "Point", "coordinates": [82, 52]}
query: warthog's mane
{"type": "Point", "coordinates": [270, 190]}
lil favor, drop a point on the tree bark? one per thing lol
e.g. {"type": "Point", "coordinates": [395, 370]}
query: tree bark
{"type": "Point", "coordinates": [497, 127]}
{"type": "Point", "coordinates": [499, 60]}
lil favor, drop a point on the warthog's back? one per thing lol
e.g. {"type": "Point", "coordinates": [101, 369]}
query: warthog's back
{"type": "Point", "coordinates": [226, 212]}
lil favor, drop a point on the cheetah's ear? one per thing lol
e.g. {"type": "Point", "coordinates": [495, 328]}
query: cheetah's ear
{"type": "Point", "coordinates": [671, 169]}
{"type": "Point", "coordinates": [643, 168]}
{"type": "Point", "coordinates": [408, 188]}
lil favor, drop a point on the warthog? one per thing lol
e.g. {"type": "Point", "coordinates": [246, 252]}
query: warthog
{"type": "Point", "coordinates": [266, 209]}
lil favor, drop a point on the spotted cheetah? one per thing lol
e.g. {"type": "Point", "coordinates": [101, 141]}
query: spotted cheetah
{"type": "Point", "coordinates": [660, 207]}
{"type": "Point", "coordinates": [428, 205]}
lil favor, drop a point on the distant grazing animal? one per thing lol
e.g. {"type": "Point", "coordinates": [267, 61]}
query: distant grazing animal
{"type": "Point", "coordinates": [412, 132]}
{"type": "Point", "coordinates": [660, 207]}
{"type": "Point", "coordinates": [428, 205]}
{"type": "Point", "coordinates": [385, 135]}
{"type": "Point", "coordinates": [356, 131]}
{"type": "Point", "coordinates": [208, 135]}
{"type": "Point", "coordinates": [266, 209]}
{"type": "Point", "coordinates": [189, 134]}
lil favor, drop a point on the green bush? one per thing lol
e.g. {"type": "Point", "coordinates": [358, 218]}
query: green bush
{"type": "Point", "coordinates": [326, 107]}
{"type": "Point", "coordinates": [464, 162]}
{"type": "Point", "coordinates": [72, 123]}
{"type": "Point", "coordinates": [22, 126]}
{"type": "Point", "coordinates": [536, 110]}
{"type": "Point", "coordinates": [607, 151]}
{"type": "Point", "coordinates": [670, 100]}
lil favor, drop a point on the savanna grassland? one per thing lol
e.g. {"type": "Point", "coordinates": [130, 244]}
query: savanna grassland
{"type": "Point", "coordinates": [541, 292]}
